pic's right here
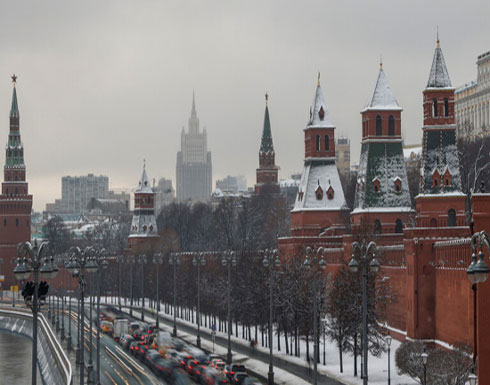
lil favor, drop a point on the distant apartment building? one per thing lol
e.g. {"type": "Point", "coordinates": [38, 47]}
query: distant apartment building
{"type": "Point", "coordinates": [164, 194]}
{"type": "Point", "coordinates": [232, 184]}
{"type": "Point", "coordinates": [342, 155]}
{"type": "Point", "coordinates": [413, 155]}
{"type": "Point", "coordinates": [472, 107]}
{"type": "Point", "coordinates": [194, 168]}
{"type": "Point", "coordinates": [77, 193]}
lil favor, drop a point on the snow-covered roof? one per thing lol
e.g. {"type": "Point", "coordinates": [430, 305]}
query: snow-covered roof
{"type": "Point", "coordinates": [322, 173]}
{"type": "Point", "coordinates": [382, 97]}
{"type": "Point", "coordinates": [144, 185]}
{"type": "Point", "coordinates": [315, 114]}
{"type": "Point", "coordinates": [438, 77]}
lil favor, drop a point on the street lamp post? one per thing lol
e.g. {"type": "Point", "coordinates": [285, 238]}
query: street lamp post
{"type": "Point", "coordinates": [317, 260]}
{"type": "Point", "coordinates": [388, 343]}
{"type": "Point", "coordinates": [102, 265]}
{"type": "Point", "coordinates": [229, 261]}
{"type": "Point", "coordinates": [425, 356]}
{"type": "Point", "coordinates": [157, 261]}
{"type": "Point", "coordinates": [130, 262]}
{"type": "Point", "coordinates": [58, 309]}
{"type": "Point", "coordinates": [69, 345]}
{"type": "Point", "coordinates": [90, 366]}
{"type": "Point", "coordinates": [477, 272]}
{"type": "Point", "coordinates": [197, 261]}
{"type": "Point", "coordinates": [174, 260]}
{"type": "Point", "coordinates": [366, 264]}
{"type": "Point", "coordinates": [32, 262]}
{"type": "Point", "coordinates": [119, 259]}
{"type": "Point", "coordinates": [142, 260]}
{"type": "Point", "coordinates": [271, 259]}
{"type": "Point", "coordinates": [62, 327]}
{"type": "Point", "coordinates": [81, 263]}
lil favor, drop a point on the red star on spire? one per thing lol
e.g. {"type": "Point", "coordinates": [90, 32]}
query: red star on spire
{"type": "Point", "coordinates": [14, 78]}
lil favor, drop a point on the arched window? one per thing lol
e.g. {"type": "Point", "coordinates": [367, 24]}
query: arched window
{"type": "Point", "coordinates": [433, 222]}
{"type": "Point", "coordinates": [446, 107]}
{"type": "Point", "coordinates": [391, 125]}
{"type": "Point", "coordinates": [379, 126]}
{"type": "Point", "coordinates": [434, 107]}
{"type": "Point", "coordinates": [451, 217]}
{"type": "Point", "coordinates": [398, 226]}
{"type": "Point", "coordinates": [318, 143]}
{"type": "Point", "coordinates": [327, 143]}
{"type": "Point", "coordinates": [377, 226]}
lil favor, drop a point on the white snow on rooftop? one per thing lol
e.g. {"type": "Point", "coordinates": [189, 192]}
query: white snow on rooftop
{"type": "Point", "coordinates": [144, 184]}
{"type": "Point", "coordinates": [315, 115]}
{"type": "Point", "coordinates": [382, 97]}
{"type": "Point", "coordinates": [325, 174]}
{"type": "Point", "coordinates": [439, 76]}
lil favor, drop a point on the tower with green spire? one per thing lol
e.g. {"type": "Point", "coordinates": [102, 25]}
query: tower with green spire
{"type": "Point", "coordinates": [15, 201]}
{"type": "Point", "coordinates": [267, 173]}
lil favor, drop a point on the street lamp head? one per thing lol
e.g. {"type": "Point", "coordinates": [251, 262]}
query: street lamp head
{"type": "Point", "coordinates": [322, 263]}
{"type": "Point", "coordinates": [481, 269]}
{"type": "Point", "coordinates": [277, 261]}
{"type": "Point", "coordinates": [374, 265]}
{"type": "Point", "coordinates": [307, 262]}
{"type": "Point", "coordinates": [224, 262]}
{"type": "Point", "coordinates": [171, 260]}
{"type": "Point", "coordinates": [265, 262]}
{"type": "Point", "coordinates": [470, 271]}
{"type": "Point", "coordinates": [354, 265]}
{"type": "Point", "coordinates": [424, 356]}
{"type": "Point", "coordinates": [388, 340]}
{"type": "Point", "coordinates": [104, 264]}
{"type": "Point", "coordinates": [72, 266]}
{"type": "Point", "coordinates": [20, 270]}
{"type": "Point", "coordinates": [194, 261]}
{"type": "Point", "coordinates": [233, 259]}
{"type": "Point", "coordinates": [203, 260]}
{"type": "Point", "coordinates": [472, 379]}
{"type": "Point", "coordinates": [45, 271]}
{"type": "Point", "coordinates": [91, 266]}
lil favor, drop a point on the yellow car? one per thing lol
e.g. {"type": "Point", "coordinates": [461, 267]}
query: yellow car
{"type": "Point", "coordinates": [106, 327]}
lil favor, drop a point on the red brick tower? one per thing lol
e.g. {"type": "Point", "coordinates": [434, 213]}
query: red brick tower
{"type": "Point", "coordinates": [15, 202]}
{"type": "Point", "coordinates": [144, 226]}
{"type": "Point", "coordinates": [441, 202]}
{"type": "Point", "coordinates": [382, 197]}
{"type": "Point", "coordinates": [320, 205]}
{"type": "Point", "coordinates": [267, 171]}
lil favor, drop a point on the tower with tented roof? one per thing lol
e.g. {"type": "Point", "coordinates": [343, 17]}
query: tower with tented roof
{"type": "Point", "coordinates": [144, 225]}
{"type": "Point", "coordinates": [267, 173]}
{"type": "Point", "coordinates": [382, 198]}
{"type": "Point", "coordinates": [320, 205]}
{"type": "Point", "coordinates": [15, 200]}
{"type": "Point", "coordinates": [441, 202]}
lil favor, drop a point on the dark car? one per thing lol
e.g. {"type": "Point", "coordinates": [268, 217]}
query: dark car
{"type": "Point", "coordinates": [191, 366]}
{"type": "Point", "coordinates": [134, 346]}
{"type": "Point", "coordinates": [150, 356]}
{"type": "Point", "coordinates": [239, 378]}
{"type": "Point", "coordinates": [141, 352]}
{"type": "Point", "coordinates": [212, 376]}
{"type": "Point", "coordinates": [126, 341]}
{"type": "Point", "coordinates": [230, 370]}
{"type": "Point", "coordinates": [162, 367]}
{"type": "Point", "coordinates": [180, 377]}
{"type": "Point", "coordinates": [197, 372]}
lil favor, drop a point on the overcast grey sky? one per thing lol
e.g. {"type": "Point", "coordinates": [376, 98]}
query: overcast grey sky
{"type": "Point", "coordinates": [104, 84]}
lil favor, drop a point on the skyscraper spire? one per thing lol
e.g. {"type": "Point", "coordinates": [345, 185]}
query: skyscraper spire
{"type": "Point", "coordinates": [193, 119]}
{"type": "Point", "coordinates": [193, 112]}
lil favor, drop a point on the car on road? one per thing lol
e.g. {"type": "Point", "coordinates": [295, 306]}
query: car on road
{"type": "Point", "coordinates": [151, 355]}
{"type": "Point", "coordinates": [141, 352]}
{"type": "Point", "coordinates": [162, 368]}
{"type": "Point", "coordinates": [219, 366]}
{"type": "Point", "coordinates": [230, 370]}
{"type": "Point", "coordinates": [107, 327]}
{"type": "Point", "coordinates": [238, 378]}
{"type": "Point", "coordinates": [126, 340]}
{"type": "Point", "coordinates": [212, 356]}
{"type": "Point", "coordinates": [211, 376]}
{"type": "Point", "coordinates": [191, 366]}
{"type": "Point", "coordinates": [134, 346]}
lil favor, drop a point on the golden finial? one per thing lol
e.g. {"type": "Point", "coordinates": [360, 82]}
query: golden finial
{"type": "Point", "coordinates": [438, 42]}
{"type": "Point", "coordinates": [318, 84]}
{"type": "Point", "coordinates": [14, 79]}
{"type": "Point", "coordinates": [266, 98]}
{"type": "Point", "coordinates": [380, 61]}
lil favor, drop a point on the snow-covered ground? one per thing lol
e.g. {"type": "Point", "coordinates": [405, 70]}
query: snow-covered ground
{"type": "Point", "coordinates": [378, 366]}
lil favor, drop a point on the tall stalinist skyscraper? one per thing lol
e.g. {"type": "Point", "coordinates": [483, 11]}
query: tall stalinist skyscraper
{"type": "Point", "coordinates": [194, 169]}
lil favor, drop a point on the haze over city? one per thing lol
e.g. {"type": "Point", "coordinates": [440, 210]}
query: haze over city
{"type": "Point", "coordinates": [103, 85]}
